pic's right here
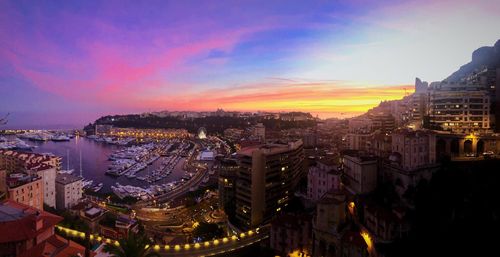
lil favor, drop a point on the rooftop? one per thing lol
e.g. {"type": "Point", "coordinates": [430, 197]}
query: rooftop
{"type": "Point", "coordinates": [93, 211]}
{"type": "Point", "coordinates": [33, 161]}
{"type": "Point", "coordinates": [18, 179]}
{"type": "Point", "coordinates": [56, 246]}
{"type": "Point", "coordinates": [270, 148]}
{"type": "Point", "coordinates": [20, 220]}
{"type": "Point", "coordinates": [66, 179]}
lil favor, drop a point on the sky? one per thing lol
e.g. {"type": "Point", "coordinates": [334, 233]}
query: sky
{"type": "Point", "coordinates": [70, 62]}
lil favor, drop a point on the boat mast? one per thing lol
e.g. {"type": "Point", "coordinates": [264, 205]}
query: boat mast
{"type": "Point", "coordinates": [81, 170]}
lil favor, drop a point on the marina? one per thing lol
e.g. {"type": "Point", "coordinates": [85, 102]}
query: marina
{"type": "Point", "coordinates": [158, 164]}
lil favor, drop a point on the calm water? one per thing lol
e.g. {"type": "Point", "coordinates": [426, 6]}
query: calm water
{"type": "Point", "coordinates": [95, 161]}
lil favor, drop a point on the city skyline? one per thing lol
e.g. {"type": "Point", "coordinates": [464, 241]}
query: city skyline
{"type": "Point", "coordinates": [69, 63]}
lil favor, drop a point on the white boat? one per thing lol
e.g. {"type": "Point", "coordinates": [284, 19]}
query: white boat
{"type": "Point", "coordinates": [98, 187]}
{"type": "Point", "coordinates": [60, 138]}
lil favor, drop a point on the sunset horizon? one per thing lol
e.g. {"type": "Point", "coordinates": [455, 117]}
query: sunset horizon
{"type": "Point", "coordinates": [107, 58]}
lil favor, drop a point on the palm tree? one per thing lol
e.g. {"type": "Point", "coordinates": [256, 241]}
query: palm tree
{"type": "Point", "coordinates": [133, 246]}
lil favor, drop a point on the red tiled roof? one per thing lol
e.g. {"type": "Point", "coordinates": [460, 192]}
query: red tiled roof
{"type": "Point", "coordinates": [22, 227]}
{"type": "Point", "coordinates": [55, 246]}
{"type": "Point", "coordinates": [33, 161]}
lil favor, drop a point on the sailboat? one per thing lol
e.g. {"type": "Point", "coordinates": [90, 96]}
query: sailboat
{"type": "Point", "coordinates": [67, 170]}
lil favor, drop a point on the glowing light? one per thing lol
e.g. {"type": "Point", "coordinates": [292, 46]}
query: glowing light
{"type": "Point", "coordinates": [242, 235]}
{"type": "Point", "coordinates": [367, 239]}
{"type": "Point", "coordinates": [197, 245]}
{"type": "Point", "coordinates": [99, 238]}
{"type": "Point", "coordinates": [216, 242]}
{"type": "Point", "coordinates": [351, 207]}
{"type": "Point", "coordinates": [156, 247]}
{"type": "Point", "coordinates": [207, 244]}
{"type": "Point", "coordinates": [224, 240]}
{"type": "Point", "coordinates": [167, 247]}
{"type": "Point", "coordinates": [108, 240]}
{"type": "Point", "coordinates": [187, 246]}
{"type": "Point", "coordinates": [234, 238]}
{"type": "Point", "coordinates": [250, 232]}
{"type": "Point", "coordinates": [117, 243]}
{"type": "Point", "coordinates": [177, 247]}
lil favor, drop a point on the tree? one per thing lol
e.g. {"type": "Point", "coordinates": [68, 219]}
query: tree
{"type": "Point", "coordinates": [133, 246]}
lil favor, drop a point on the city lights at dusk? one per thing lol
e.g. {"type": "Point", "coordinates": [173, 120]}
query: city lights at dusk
{"type": "Point", "coordinates": [313, 128]}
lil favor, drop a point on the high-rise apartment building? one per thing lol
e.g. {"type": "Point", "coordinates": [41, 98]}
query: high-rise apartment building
{"type": "Point", "coordinates": [228, 169]}
{"type": "Point", "coordinates": [266, 178]}
{"type": "Point", "coordinates": [459, 107]}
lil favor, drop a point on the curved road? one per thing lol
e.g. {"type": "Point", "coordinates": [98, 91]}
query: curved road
{"type": "Point", "coordinates": [214, 248]}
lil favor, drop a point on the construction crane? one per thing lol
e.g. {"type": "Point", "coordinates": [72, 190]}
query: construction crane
{"type": "Point", "coordinates": [4, 120]}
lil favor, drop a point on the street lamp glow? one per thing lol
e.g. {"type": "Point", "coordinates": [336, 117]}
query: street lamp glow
{"type": "Point", "coordinates": [242, 235]}
{"type": "Point", "coordinates": [224, 240]}
{"type": "Point", "coordinates": [250, 232]}
{"type": "Point", "coordinates": [216, 242]}
{"type": "Point", "coordinates": [234, 237]}
{"type": "Point", "coordinates": [157, 247]}
{"type": "Point", "coordinates": [167, 247]}
{"type": "Point", "coordinates": [177, 247]}
{"type": "Point", "coordinates": [197, 245]}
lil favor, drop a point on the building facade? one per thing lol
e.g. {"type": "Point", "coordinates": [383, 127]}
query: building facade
{"type": "Point", "coordinates": [44, 166]}
{"type": "Point", "coordinates": [360, 172]}
{"type": "Point", "coordinates": [68, 190]}
{"type": "Point", "coordinates": [322, 178]}
{"type": "Point", "coordinates": [460, 107]}
{"type": "Point", "coordinates": [267, 175]}
{"type": "Point", "coordinates": [291, 233]}
{"type": "Point", "coordinates": [26, 189]}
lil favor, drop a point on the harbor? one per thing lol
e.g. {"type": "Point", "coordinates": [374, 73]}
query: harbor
{"type": "Point", "coordinates": [107, 161]}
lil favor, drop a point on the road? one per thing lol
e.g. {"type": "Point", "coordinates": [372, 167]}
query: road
{"type": "Point", "coordinates": [214, 248]}
{"type": "Point", "coordinates": [207, 248]}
